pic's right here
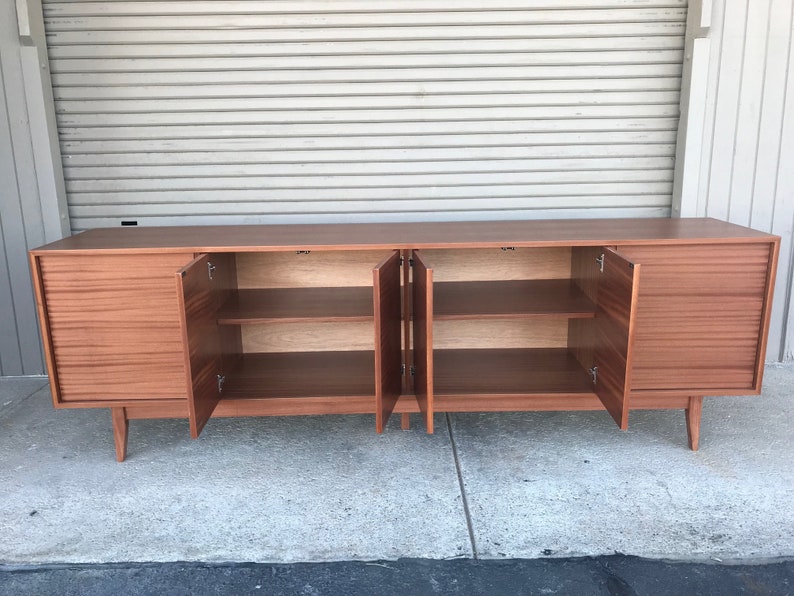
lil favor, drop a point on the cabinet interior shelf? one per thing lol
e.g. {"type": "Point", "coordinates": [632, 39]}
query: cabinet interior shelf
{"type": "Point", "coordinates": [510, 299]}
{"type": "Point", "coordinates": [541, 371]}
{"type": "Point", "coordinates": [302, 374]}
{"type": "Point", "coordinates": [297, 304]}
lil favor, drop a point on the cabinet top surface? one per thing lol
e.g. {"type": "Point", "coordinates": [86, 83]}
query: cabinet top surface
{"type": "Point", "coordinates": [245, 238]}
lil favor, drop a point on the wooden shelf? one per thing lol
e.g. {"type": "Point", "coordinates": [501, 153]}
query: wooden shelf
{"type": "Point", "coordinates": [510, 299]}
{"type": "Point", "coordinates": [302, 374]}
{"type": "Point", "coordinates": [288, 305]}
{"type": "Point", "coordinates": [509, 371]}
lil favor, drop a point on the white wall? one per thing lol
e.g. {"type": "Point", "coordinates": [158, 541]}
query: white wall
{"type": "Point", "coordinates": [736, 143]}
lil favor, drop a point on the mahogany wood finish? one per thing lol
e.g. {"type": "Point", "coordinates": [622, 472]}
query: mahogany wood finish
{"type": "Point", "coordinates": [285, 305]}
{"type": "Point", "coordinates": [112, 326]}
{"type": "Point", "coordinates": [121, 427]}
{"type": "Point", "coordinates": [418, 235]}
{"type": "Point", "coordinates": [510, 300]}
{"type": "Point", "coordinates": [489, 373]}
{"type": "Point", "coordinates": [322, 319]}
{"type": "Point", "coordinates": [201, 290]}
{"type": "Point", "coordinates": [614, 328]}
{"type": "Point", "coordinates": [693, 414]}
{"type": "Point", "coordinates": [718, 293]}
{"type": "Point", "coordinates": [388, 344]}
{"type": "Point", "coordinates": [423, 337]}
{"type": "Point", "coordinates": [296, 375]}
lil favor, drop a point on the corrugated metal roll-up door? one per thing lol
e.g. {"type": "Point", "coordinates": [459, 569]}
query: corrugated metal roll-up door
{"type": "Point", "coordinates": [230, 111]}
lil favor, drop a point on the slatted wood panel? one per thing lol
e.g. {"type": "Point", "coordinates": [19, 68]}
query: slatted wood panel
{"type": "Point", "coordinates": [716, 294]}
{"type": "Point", "coordinates": [301, 110]}
{"type": "Point", "coordinates": [114, 324]}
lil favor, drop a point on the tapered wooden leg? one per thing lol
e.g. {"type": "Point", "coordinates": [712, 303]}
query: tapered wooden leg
{"type": "Point", "coordinates": [693, 413]}
{"type": "Point", "coordinates": [405, 423]}
{"type": "Point", "coordinates": [121, 426]}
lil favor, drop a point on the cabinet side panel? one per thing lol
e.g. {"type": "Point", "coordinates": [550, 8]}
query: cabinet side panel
{"type": "Point", "coordinates": [114, 325]}
{"type": "Point", "coordinates": [699, 316]}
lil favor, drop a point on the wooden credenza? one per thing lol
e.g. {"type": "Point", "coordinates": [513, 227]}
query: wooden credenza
{"type": "Point", "coordinates": [197, 322]}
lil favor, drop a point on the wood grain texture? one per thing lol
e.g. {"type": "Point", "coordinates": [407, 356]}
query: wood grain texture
{"type": "Point", "coordinates": [510, 300]}
{"type": "Point", "coordinates": [320, 375]}
{"type": "Point", "coordinates": [585, 273]}
{"type": "Point", "coordinates": [290, 305]}
{"type": "Point", "coordinates": [308, 336]}
{"type": "Point", "coordinates": [700, 316]}
{"type": "Point", "coordinates": [388, 338]}
{"type": "Point", "coordinates": [423, 347]}
{"type": "Point", "coordinates": [113, 326]}
{"type": "Point", "coordinates": [121, 427]}
{"type": "Point", "coordinates": [486, 373]}
{"type": "Point", "coordinates": [540, 332]}
{"type": "Point", "coordinates": [495, 264]}
{"type": "Point", "coordinates": [418, 235]}
{"type": "Point", "coordinates": [508, 402]}
{"type": "Point", "coordinates": [694, 413]}
{"type": "Point", "coordinates": [45, 329]}
{"type": "Point", "coordinates": [201, 295]}
{"type": "Point", "coordinates": [318, 269]}
{"type": "Point", "coordinates": [407, 306]}
{"type": "Point", "coordinates": [614, 327]}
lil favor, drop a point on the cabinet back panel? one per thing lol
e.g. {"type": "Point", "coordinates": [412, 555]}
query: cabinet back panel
{"type": "Point", "coordinates": [318, 269]}
{"type": "Point", "coordinates": [114, 323]}
{"type": "Point", "coordinates": [486, 264]}
{"type": "Point", "coordinates": [310, 336]}
{"type": "Point", "coordinates": [698, 315]}
{"type": "Point", "coordinates": [493, 334]}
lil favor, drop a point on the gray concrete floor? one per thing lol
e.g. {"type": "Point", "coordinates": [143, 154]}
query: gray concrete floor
{"type": "Point", "coordinates": [493, 486]}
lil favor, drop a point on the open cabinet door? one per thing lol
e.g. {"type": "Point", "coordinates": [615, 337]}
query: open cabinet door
{"type": "Point", "coordinates": [423, 337]}
{"type": "Point", "coordinates": [388, 336]}
{"type": "Point", "coordinates": [198, 287]}
{"type": "Point", "coordinates": [618, 283]}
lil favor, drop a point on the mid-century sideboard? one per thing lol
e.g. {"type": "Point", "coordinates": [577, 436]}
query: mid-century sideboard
{"type": "Point", "coordinates": [204, 321]}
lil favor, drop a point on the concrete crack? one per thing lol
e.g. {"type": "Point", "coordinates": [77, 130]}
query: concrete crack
{"type": "Point", "coordinates": [466, 511]}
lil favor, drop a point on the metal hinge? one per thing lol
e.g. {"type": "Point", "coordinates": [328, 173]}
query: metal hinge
{"type": "Point", "coordinates": [210, 269]}
{"type": "Point", "coordinates": [410, 261]}
{"type": "Point", "coordinates": [506, 248]}
{"type": "Point", "coordinates": [600, 262]}
{"type": "Point", "coordinates": [413, 371]}
{"type": "Point", "coordinates": [303, 252]}
{"type": "Point", "coordinates": [221, 383]}
{"type": "Point", "coordinates": [402, 369]}
{"type": "Point", "coordinates": [594, 374]}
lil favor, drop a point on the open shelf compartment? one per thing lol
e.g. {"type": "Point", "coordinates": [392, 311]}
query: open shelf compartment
{"type": "Point", "coordinates": [302, 374]}
{"type": "Point", "coordinates": [511, 299]}
{"type": "Point", "coordinates": [509, 371]}
{"type": "Point", "coordinates": [286, 305]}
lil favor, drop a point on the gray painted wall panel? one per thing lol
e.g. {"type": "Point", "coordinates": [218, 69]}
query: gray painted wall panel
{"type": "Point", "coordinates": [20, 351]}
{"type": "Point", "coordinates": [31, 183]}
{"type": "Point", "coordinates": [742, 159]}
{"type": "Point", "coordinates": [229, 112]}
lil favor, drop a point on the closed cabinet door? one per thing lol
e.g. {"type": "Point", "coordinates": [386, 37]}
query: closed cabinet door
{"type": "Point", "coordinates": [701, 317]}
{"type": "Point", "coordinates": [112, 330]}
